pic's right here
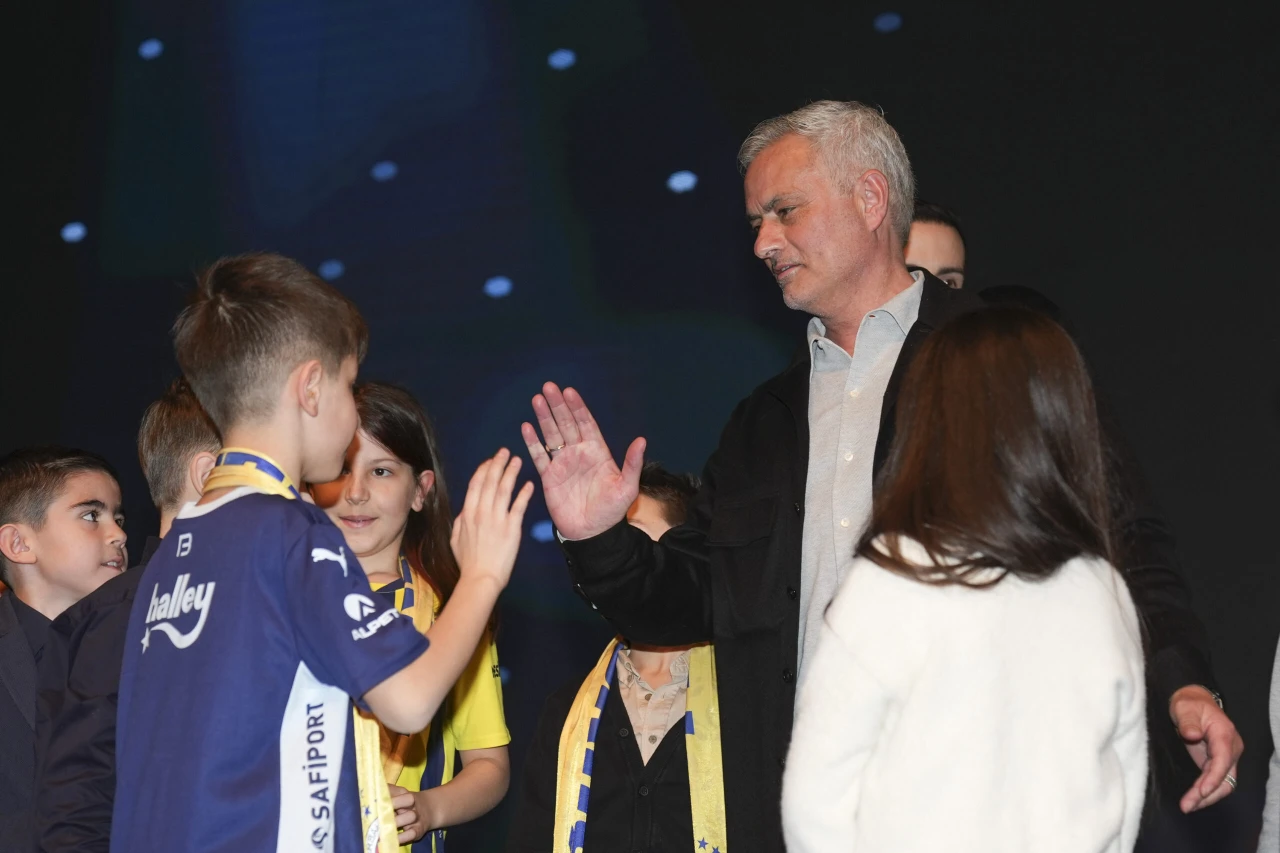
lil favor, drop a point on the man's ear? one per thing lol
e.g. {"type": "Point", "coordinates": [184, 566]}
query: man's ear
{"type": "Point", "coordinates": [198, 469]}
{"type": "Point", "coordinates": [426, 481]}
{"type": "Point", "coordinates": [873, 199]}
{"type": "Point", "coordinates": [308, 379]}
{"type": "Point", "coordinates": [16, 545]}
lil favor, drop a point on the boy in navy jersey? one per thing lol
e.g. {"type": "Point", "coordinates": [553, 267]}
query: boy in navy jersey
{"type": "Point", "coordinates": [254, 628]}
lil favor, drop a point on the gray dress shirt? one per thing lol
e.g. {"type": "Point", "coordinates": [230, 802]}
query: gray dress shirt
{"type": "Point", "coordinates": [845, 395]}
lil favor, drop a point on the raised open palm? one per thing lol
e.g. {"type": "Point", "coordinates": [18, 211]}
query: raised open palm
{"type": "Point", "coordinates": [586, 492]}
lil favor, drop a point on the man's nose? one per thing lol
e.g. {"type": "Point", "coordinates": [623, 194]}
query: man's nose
{"type": "Point", "coordinates": [768, 240]}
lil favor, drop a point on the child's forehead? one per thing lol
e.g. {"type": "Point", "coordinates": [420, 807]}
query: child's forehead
{"type": "Point", "coordinates": [88, 486]}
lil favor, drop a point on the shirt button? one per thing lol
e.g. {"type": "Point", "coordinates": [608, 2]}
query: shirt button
{"type": "Point", "coordinates": [792, 594]}
{"type": "Point", "coordinates": [844, 522]}
{"type": "Point", "coordinates": [854, 393]}
{"type": "Point", "coordinates": [797, 507]}
{"type": "Point", "coordinates": [624, 731]}
{"type": "Point", "coordinates": [787, 675]}
{"type": "Point", "coordinates": [653, 738]}
{"type": "Point", "coordinates": [644, 790]}
{"type": "Point", "coordinates": [648, 696]}
{"type": "Point", "coordinates": [848, 456]}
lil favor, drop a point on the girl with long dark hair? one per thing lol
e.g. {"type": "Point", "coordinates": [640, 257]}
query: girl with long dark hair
{"type": "Point", "coordinates": [978, 684]}
{"type": "Point", "coordinates": [392, 506]}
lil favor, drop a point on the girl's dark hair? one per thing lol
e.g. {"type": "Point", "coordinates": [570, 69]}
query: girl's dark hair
{"type": "Point", "coordinates": [392, 417]}
{"type": "Point", "coordinates": [997, 462]}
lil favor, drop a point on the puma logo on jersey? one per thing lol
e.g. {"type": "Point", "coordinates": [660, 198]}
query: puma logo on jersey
{"type": "Point", "coordinates": [318, 554]}
{"type": "Point", "coordinates": [173, 605]}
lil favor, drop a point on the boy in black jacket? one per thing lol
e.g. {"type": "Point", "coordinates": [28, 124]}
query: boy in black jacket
{"type": "Point", "coordinates": [79, 673]}
{"type": "Point", "coordinates": [61, 536]}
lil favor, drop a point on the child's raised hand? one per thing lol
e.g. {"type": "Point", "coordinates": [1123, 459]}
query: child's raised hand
{"type": "Point", "coordinates": [486, 534]}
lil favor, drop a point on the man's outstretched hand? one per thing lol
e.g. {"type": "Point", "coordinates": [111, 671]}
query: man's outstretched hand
{"type": "Point", "coordinates": [586, 493]}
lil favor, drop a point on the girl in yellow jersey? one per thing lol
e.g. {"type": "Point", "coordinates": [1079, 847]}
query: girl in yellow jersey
{"type": "Point", "coordinates": [392, 506]}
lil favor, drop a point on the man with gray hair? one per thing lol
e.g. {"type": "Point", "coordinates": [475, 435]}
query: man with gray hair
{"type": "Point", "coordinates": [829, 195]}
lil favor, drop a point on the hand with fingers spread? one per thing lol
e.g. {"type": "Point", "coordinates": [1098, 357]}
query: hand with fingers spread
{"type": "Point", "coordinates": [1213, 742]}
{"type": "Point", "coordinates": [486, 534]}
{"type": "Point", "coordinates": [586, 492]}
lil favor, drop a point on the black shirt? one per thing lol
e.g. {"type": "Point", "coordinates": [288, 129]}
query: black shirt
{"type": "Point", "coordinates": [79, 682]}
{"type": "Point", "coordinates": [633, 807]}
{"type": "Point", "coordinates": [22, 639]}
{"type": "Point", "coordinates": [34, 624]}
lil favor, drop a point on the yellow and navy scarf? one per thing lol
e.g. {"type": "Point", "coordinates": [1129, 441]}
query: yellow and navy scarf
{"type": "Point", "coordinates": [419, 603]}
{"type": "Point", "coordinates": [237, 466]}
{"type": "Point", "coordinates": [702, 742]}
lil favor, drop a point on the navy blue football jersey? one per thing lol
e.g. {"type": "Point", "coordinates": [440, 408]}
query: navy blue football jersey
{"type": "Point", "coordinates": [252, 629]}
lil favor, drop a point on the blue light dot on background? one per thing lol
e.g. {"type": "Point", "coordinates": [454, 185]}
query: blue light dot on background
{"type": "Point", "coordinates": [682, 181]}
{"type": "Point", "coordinates": [151, 48]}
{"type": "Point", "coordinates": [331, 269]}
{"type": "Point", "coordinates": [542, 531]}
{"type": "Point", "coordinates": [504, 674]}
{"type": "Point", "coordinates": [562, 59]}
{"type": "Point", "coordinates": [888, 22]}
{"type": "Point", "coordinates": [74, 232]}
{"type": "Point", "coordinates": [384, 170]}
{"type": "Point", "coordinates": [497, 287]}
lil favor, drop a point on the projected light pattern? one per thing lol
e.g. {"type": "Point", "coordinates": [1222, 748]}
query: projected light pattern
{"type": "Point", "coordinates": [331, 269]}
{"type": "Point", "coordinates": [151, 48]}
{"type": "Point", "coordinates": [562, 59]}
{"type": "Point", "coordinates": [74, 232]}
{"type": "Point", "coordinates": [384, 171]}
{"type": "Point", "coordinates": [543, 531]}
{"type": "Point", "coordinates": [497, 287]}
{"type": "Point", "coordinates": [682, 181]}
{"type": "Point", "coordinates": [888, 22]}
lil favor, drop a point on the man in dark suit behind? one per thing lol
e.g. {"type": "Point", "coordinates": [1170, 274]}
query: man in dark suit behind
{"type": "Point", "coordinates": [785, 495]}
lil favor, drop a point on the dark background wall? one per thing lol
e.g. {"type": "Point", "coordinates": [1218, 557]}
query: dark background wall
{"type": "Point", "coordinates": [1120, 161]}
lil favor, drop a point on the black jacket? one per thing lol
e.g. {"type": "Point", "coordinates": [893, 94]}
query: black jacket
{"type": "Point", "coordinates": [79, 685]}
{"type": "Point", "coordinates": [22, 633]}
{"type": "Point", "coordinates": [634, 806]}
{"type": "Point", "coordinates": [731, 574]}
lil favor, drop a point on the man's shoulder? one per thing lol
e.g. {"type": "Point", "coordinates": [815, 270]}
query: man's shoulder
{"type": "Point", "coordinates": [1017, 294]}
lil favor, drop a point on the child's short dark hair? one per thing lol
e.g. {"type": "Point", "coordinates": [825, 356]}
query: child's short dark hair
{"type": "Point", "coordinates": [174, 428]}
{"type": "Point", "coordinates": [31, 479]}
{"type": "Point", "coordinates": [674, 491]}
{"type": "Point", "coordinates": [252, 319]}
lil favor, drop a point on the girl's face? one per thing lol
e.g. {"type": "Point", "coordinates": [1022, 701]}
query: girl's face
{"type": "Point", "coordinates": [370, 503]}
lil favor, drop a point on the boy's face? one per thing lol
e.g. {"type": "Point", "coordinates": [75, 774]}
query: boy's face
{"type": "Point", "coordinates": [81, 543]}
{"type": "Point", "coordinates": [337, 425]}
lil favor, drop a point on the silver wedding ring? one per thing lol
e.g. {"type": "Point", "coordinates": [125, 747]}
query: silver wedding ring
{"type": "Point", "coordinates": [551, 450]}
{"type": "Point", "coordinates": [1231, 780]}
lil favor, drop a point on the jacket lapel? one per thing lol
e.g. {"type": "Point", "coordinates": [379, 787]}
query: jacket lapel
{"type": "Point", "coordinates": [938, 304]}
{"type": "Point", "coordinates": [17, 667]}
